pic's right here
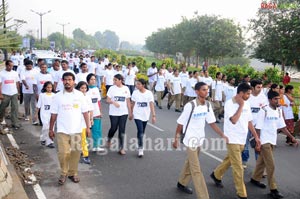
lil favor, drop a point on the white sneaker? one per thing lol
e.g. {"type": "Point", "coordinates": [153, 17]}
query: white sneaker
{"type": "Point", "coordinates": [99, 149]}
{"type": "Point", "coordinates": [3, 122]}
{"type": "Point", "coordinates": [94, 149]}
{"type": "Point", "coordinates": [26, 119]}
{"type": "Point", "coordinates": [141, 153]}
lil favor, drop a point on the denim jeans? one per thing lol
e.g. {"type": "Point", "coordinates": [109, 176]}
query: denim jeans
{"type": "Point", "coordinates": [99, 80]}
{"type": "Point", "coordinates": [131, 88]}
{"type": "Point", "coordinates": [141, 126]}
{"type": "Point", "coordinates": [117, 122]}
{"type": "Point", "coordinates": [245, 153]}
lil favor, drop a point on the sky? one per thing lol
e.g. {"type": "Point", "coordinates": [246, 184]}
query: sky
{"type": "Point", "coordinates": [132, 20]}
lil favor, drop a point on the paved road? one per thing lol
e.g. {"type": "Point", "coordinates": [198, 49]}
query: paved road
{"type": "Point", "coordinates": [112, 176]}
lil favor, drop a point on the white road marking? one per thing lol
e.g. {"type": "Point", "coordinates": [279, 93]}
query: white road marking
{"type": "Point", "coordinates": [12, 141]}
{"type": "Point", "coordinates": [3, 156]}
{"type": "Point", "coordinates": [212, 156]}
{"type": "Point", "coordinates": [155, 127]}
{"type": "Point", "coordinates": [37, 188]}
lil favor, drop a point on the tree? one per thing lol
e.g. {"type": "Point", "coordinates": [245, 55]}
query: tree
{"type": "Point", "coordinates": [110, 40]}
{"type": "Point", "coordinates": [8, 39]}
{"type": "Point", "coordinates": [277, 36]}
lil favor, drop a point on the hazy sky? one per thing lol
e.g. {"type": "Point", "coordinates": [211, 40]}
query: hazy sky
{"type": "Point", "coordinates": [132, 20]}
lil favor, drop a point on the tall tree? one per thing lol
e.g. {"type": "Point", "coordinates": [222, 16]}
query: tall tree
{"type": "Point", "coordinates": [110, 40]}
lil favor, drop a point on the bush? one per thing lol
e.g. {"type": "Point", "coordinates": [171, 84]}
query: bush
{"type": "Point", "coordinates": [110, 54]}
{"type": "Point", "coordinates": [142, 76]}
{"type": "Point", "coordinates": [273, 74]}
{"type": "Point", "coordinates": [140, 63]}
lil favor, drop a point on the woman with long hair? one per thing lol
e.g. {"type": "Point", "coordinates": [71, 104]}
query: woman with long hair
{"type": "Point", "coordinates": [118, 98]}
{"type": "Point", "coordinates": [142, 105]}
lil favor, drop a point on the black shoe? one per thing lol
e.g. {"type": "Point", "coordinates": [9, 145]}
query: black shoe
{"type": "Point", "coordinates": [217, 182]}
{"type": "Point", "coordinates": [258, 184]}
{"type": "Point", "coordinates": [156, 102]}
{"type": "Point", "coordinates": [275, 194]}
{"type": "Point", "coordinates": [16, 127]}
{"type": "Point", "coordinates": [177, 110]}
{"type": "Point", "coordinates": [159, 107]}
{"type": "Point", "coordinates": [168, 106]}
{"type": "Point", "coordinates": [217, 121]}
{"type": "Point", "coordinates": [51, 146]}
{"type": "Point", "coordinates": [43, 143]}
{"type": "Point", "coordinates": [184, 189]}
{"type": "Point", "coordinates": [239, 197]}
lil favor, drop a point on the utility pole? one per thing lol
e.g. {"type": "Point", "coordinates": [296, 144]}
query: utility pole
{"type": "Point", "coordinates": [4, 26]}
{"type": "Point", "coordinates": [19, 23]}
{"type": "Point", "coordinates": [41, 14]}
{"type": "Point", "coordinates": [63, 26]}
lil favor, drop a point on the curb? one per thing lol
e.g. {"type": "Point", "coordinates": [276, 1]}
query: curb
{"type": "Point", "coordinates": [16, 190]}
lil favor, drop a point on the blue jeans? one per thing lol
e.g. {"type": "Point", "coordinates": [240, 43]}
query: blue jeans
{"type": "Point", "coordinates": [117, 122]}
{"type": "Point", "coordinates": [131, 88]}
{"type": "Point", "coordinates": [141, 126]}
{"type": "Point", "coordinates": [99, 80]}
{"type": "Point", "coordinates": [245, 153]}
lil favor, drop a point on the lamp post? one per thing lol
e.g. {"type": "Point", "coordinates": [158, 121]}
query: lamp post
{"type": "Point", "coordinates": [63, 26]}
{"type": "Point", "coordinates": [41, 14]}
{"type": "Point", "coordinates": [19, 23]}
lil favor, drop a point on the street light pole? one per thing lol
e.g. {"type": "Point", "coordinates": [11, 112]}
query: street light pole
{"type": "Point", "coordinates": [63, 26]}
{"type": "Point", "coordinates": [41, 14]}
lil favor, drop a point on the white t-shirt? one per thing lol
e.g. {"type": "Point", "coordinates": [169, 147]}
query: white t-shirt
{"type": "Point", "coordinates": [129, 79]}
{"type": "Point", "coordinates": [88, 101]}
{"type": "Point", "coordinates": [54, 73]}
{"type": "Point", "coordinates": [59, 80]}
{"type": "Point", "coordinates": [44, 104]}
{"type": "Point", "coordinates": [41, 79]}
{"type": "Point", "coordinates": [29, 77]}
{"type": "Point", "coordinates": [15, 59]}
{"type": "Point", "coordinates": [288, 111]}
{"type": "Point", "coordinates": [269, 120]}
{"type": "Point", "coordinates": [100, 69]}
{"type": "Point", "coordinates": [109, 77]}
{"type": "Point", "coordinates": [20, 69]}
{"type": "Point", "coordinates": [236, 133]}
{"type": "Point", "coordinates": [92, 67]}
{"type": "Point", "coordinates": [119, 95]}
{"type": "Point", "coordinates": [256, 103]}
{"type": "Point", "coordinates": [71, 62]}
{"type": "Point", "coordinates": [190, 87]}
{"type": "Point", "coordinates": [94, 94]}
{"type": "Point", "coordinates": [207, 80]}
{"type": "Point", "coordinates": [218, 86]}
{"type": "Point", "coordinates": [135, 69]}
{"type": "Point", "coordinates": [176, 85]}
{"type": "Point", "coordinates": [141, 109]}
{"type": "Point", "coordinates": [229, 92]}
{"type": "Point", "coordinates": [195, 133]}
{"type": "Point", "coordinates": [106, 61]}
{"type": "Point", "coordinates": [184, 78]}
{"type": "Point", "coordinates": [9, 81]}
{"type": "Point", "coordinates": [81, 77]}
{"type": "Point", "coordinates": [118, 72]}
{"type": "Point", "coordinates": [69, 107]}
{"type": "Point", "coordinates": [160, 83]}
{"type": "Point", "coordinates": [151, 71]}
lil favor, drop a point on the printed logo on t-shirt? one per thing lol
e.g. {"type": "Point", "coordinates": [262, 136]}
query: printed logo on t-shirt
{"type": "Point", "coordinates": [75, 106]}
{"type": "Point", "coordinates": [42, 82]}
{"type": "Point", "coordinates": [47, 107]}
{"type": "Point", "coordinates": [272, 118]}
{"type": "Point", "coordinates": [199, 115]}
{"type": "Point", "coordinates": [254, 109]}
{"type": "Point", "coordinates": [142, 104]}
{"type": "Point", "coordinates": [94, 100]}
{"type": "Point", "coordinates": [9, 81]}
{"type": "Point", "coordinates": [119, 99]}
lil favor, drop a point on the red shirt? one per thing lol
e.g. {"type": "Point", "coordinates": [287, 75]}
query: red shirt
{"type": "Point", "coordinates": [286, 79]}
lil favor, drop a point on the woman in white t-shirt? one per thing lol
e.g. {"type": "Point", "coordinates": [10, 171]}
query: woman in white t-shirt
{"type": "Point", "coordinates": [94, 94]}
{"type": "Point", "coordinates": [44, 103]}
{"type": "Point", "coordinates": [83, 87]}
{"type": "Point", "coordinates": [142, 105]}
{"type": "Point", "coordinates": [118, 98]}
{"type": "Point", "coordinates": [129, 78]}
{"type": "Point", "coordinates": [160, 85]}
{"type": "Point", "coordinates": [288, 110]}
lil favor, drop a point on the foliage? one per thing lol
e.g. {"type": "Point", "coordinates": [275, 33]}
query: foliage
{"type": "Point", "coordinates": [169, 62]}
{"type": "Point", "coordinates": [140, 63]}
{"type": "Point", "coordinates": [142, 76]}
{"type": "Point", "coordinates": [277, 36]}
{"type": "Point", "coordinates": [110, 54]}
{"type": "Point", "coordinates": [273, 74]}
{"type": "Point", "coordinates": [205, 36]}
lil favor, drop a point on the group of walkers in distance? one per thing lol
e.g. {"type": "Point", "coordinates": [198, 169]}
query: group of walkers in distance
{"type": "Point", "coordinates": [67, 99]}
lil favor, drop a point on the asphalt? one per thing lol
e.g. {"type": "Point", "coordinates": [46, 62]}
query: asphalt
{"type": "Point", "coordinates": [111, 176]}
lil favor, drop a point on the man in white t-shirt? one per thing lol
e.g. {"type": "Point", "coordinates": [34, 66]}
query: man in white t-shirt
{"type": "Point", "coordinates": [66, 111]}
{"type": "Point", "coordinates": [237, 121]}
{"type": "Point", "coordinates": [152, 75]}
{"type": "Point", "coordinates": [58, 81]}
{"type": "Point", "coordinates": [9, 93]}
{"type": "Point", "coordinates": [216, 97]}
{"type": "Point", "coordinates": [28, 78]}
{"type": "Point", "coordinates": [83, 74]}
{"type": "Point", "coordinates": [257, 101]}
{"type": "Point", "coordinates": [42, 77]}
{"type": "Point", "coordinates": [193, 127]}
{"type": "Point", "coordinates": [208, 80]}
{"type": "Point", "coordinates": [15, 59]}
{"type": "Point", "coordinates": [269, 120]}
{"type": "Point", "coordinates": [134, 67]}
{"type": "Point", "coordinates": [71, 62]}
{"type": "Point", "coordinates": [92, 65]}
{"type": "Point", "coordinates": [184, 75]}
{"type": "Point", "coordinates": [175, 91]}
{"type": "Point", "coordinates": [100, 72]}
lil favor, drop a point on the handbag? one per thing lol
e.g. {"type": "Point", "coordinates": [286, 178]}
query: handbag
{"type": "Point", "coordinates": [252, 142]}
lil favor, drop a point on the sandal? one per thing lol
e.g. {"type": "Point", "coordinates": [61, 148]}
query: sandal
{"type": "Point", "coordinates": [74, 179]}
{"type": "Point", "coordinates": [122, 152]}
{"type": "Point", "coordinates": [62, 180]}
